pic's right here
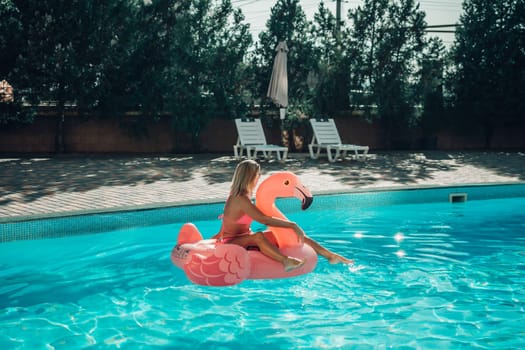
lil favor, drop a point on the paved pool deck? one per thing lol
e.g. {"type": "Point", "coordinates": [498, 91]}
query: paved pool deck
{"type": "Point", "coordinates": [42, 186]}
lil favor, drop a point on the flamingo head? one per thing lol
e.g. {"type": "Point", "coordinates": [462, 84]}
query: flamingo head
{"type": "Point", "coordinates": [282, 185]}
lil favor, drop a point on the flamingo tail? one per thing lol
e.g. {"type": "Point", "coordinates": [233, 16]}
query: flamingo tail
{"type": "Point", "coordinates": [189, 233]}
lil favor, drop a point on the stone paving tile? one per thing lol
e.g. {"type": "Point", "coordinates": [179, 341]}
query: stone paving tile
{"type": "Point", "coordinates": [62, 185]}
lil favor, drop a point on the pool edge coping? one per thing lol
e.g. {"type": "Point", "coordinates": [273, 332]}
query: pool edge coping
{"type": "Point", "coordinates": [192, 202]}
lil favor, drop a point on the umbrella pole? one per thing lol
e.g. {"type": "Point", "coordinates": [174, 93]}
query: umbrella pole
{"type": "Point", "coordinates": [282, 115]}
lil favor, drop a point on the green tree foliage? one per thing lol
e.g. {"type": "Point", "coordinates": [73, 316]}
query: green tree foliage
{"type": "Point", "coordinates": [430, 87]}
{"type": "Point", "coordinates": [207, 75]}
{"type": "Point", "coordinates": [10, 28]}
{"type": "Point", "coordinates": [389, 37]}
{"type": "Point", "coordinates": [61, 51]}
{"type": "Point", "coordinates": [489, 55]}
{"type": "Point", "coordinates": [191, 59]}
{"type": "Point", "coordinates": [138, 41]}
{"type": "Point", "coordinates": [61, 47]}
{"type": "Point", "coordinates": [110, 57]}
{"type": "Point", "coordinates": [334, 64]}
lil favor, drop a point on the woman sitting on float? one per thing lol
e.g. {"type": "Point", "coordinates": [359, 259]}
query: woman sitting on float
{"type": "Point", "coordinates": [239, 212]}
{"type": "Point", "coordinates": [296, 253]}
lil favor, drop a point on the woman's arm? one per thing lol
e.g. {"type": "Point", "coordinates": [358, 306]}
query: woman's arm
{"type": "Point", "coordinates": [255, 213]}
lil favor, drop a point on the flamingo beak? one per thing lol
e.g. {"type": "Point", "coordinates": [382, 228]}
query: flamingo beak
{"type": "Point", "coordinates": [305, 196]}
{"type": "Point", "coordinates": [307, 202]}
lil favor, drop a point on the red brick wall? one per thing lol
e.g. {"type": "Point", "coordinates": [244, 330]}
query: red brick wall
{"type": "Point", "coordinates": [38, 137]}
{"type": "Point", "coordinates": [99, 135]}
{"type": "Point", "coordinates": [107, 135]}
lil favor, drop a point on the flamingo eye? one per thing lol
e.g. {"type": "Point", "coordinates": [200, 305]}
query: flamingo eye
{"type": "Point", "coordinates": [286, 182]}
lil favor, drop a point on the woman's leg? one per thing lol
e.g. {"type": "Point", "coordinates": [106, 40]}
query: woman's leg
{"type": "Point", "coordinates": [332, 257]}
{"type": "Point", "coordinates": [268, 249]}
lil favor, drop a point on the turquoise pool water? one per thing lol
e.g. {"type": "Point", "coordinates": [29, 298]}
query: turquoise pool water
{"type": "Point", "coordinates": [427, 275]}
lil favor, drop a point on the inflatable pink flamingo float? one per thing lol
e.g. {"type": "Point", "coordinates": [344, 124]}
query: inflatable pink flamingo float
{"type": "Point", "coordinates": [211, 264]}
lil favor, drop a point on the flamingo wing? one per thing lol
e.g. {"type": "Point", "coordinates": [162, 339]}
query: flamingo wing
{"type": "Point", "coordinates": [227, 265]}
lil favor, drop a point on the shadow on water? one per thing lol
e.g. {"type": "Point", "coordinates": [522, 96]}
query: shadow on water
{"type": "Point", "coordinates": [33, 178]}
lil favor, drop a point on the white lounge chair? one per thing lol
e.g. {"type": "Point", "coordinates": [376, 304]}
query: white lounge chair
{"type": "Point", "coordinates": [326, 136]}
{"type": "Point", "coordinates": [251, 138]}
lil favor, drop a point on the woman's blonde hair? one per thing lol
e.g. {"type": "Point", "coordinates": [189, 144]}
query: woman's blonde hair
{"type": "Point", "coordinates": [244, 175]}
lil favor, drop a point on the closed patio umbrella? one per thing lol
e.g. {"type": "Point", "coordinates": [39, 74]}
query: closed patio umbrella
{"type": "Point", "coordinates": [278, 87]}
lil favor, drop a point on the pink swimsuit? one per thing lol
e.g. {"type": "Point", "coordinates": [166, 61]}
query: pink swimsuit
{"type": "Point", "coordinates": [242, 227]}
{"type": "Point", "coordinates": [244, 220]}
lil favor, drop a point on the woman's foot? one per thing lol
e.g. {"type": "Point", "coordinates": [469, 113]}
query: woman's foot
{"type": "Point", "coordinates": [338, 259]}
{"type": "Point", "coordinates": [291, 263]}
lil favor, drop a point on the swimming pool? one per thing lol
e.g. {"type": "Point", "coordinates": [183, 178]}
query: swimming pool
{"type": "Point", "coordinates": [428, 274]}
